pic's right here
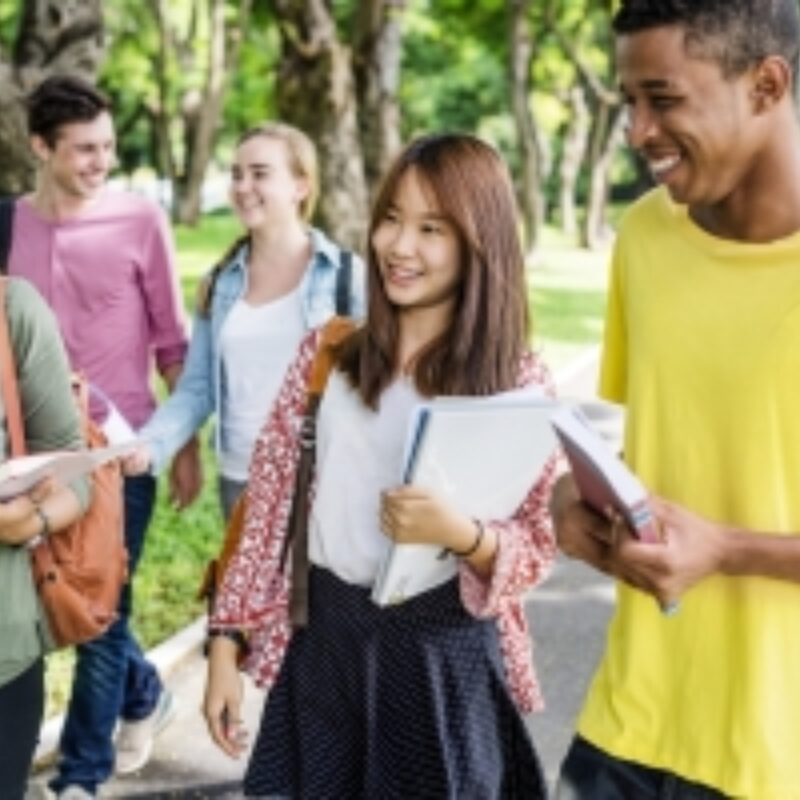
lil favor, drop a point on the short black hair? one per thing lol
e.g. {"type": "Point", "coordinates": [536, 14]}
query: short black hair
{"type": "Point", "coordinates": [735, 33]}
{"type": "Point", "coordinates": [60, 100]}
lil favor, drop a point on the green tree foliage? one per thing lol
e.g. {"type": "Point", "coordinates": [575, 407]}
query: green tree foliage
{"type": "Point", "coordinates": [251, 93]}
{"type": "Point", "coordinates": [131, 80]}
{"type": "Point", "coordinates": [127, 77]}
{"type": "Point", "coordinates": [454, 73]}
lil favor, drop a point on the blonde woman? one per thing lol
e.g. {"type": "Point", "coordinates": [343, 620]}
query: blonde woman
{"type": "Point", "coordinates": [276, 282]}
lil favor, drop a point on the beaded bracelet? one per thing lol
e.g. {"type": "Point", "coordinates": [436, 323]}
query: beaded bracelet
{"type": "Point", "coordinates": [481, 531]}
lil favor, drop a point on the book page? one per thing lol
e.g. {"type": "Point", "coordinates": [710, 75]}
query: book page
{"type": "Point", "coordinates": [19, 475]}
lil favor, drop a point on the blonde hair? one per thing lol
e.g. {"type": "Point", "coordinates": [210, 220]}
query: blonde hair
{"type": "Point", "coordinates": [302, 157]}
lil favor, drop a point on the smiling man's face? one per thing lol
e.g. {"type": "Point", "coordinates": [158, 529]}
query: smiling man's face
{"type": "Point", "coordinates": [694, 126]}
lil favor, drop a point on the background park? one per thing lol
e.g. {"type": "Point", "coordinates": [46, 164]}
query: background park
{"type": "Point", "coordinates": [534, 77]}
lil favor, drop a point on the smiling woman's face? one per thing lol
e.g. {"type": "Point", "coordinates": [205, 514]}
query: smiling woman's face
{"type": "Point", "coordinates": [417, 249]}
{"type": "Point", "coordinates": [263, 187]}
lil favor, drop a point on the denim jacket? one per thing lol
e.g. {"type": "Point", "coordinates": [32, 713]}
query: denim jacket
{"type": "Point", "coordinates": [198, 393]}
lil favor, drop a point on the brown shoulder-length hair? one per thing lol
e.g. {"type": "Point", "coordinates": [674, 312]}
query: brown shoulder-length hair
{"type": "Point", "coordinates": [480, 351]}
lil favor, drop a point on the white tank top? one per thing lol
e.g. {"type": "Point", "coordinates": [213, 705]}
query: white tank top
{"type": "Point", "coordinates": [257, 344]}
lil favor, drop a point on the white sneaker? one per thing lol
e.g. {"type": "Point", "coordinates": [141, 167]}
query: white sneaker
{"type": "Point", "coordinates": [134, 743]}
{"type": "Point", "coordinates": [75, 793]}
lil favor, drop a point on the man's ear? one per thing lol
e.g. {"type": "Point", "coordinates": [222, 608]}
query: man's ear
{"type": "Point", "coordinates": [40, 148]}
{"type": "Point", "coordinates": [772, 82]}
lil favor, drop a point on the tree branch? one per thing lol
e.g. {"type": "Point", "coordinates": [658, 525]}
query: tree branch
{"type": "Point", "coordinates": [600, 92]}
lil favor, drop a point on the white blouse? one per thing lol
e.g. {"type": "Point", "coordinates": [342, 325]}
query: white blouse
{"type": "Point", "coordinates": [359, 454]}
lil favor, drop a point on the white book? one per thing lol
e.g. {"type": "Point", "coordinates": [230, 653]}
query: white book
{"type": "Point", "coordinates": [18, 475]}
{"type": "Point", "coordinates": [482, 455]}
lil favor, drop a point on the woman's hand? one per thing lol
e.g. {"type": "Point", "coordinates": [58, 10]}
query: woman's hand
{"type": "Point", "coordinates": [14, 520]}
{"type": "Point", "coordinates": [19, 521]}
{"type": "Point", "coordinates": [222, 705]}
{"type": "Point", "coordinates": [413, 515]}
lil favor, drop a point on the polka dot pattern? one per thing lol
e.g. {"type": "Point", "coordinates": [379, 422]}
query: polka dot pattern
{"type": "Point", "coordinates": [403, 703]}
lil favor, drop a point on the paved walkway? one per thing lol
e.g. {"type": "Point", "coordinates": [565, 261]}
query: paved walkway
{"type": "Point", "coordinates": [568, 615]}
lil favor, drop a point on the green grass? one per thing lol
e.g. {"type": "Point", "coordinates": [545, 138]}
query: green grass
{"type": "Point", "coordinates": [567, 300]}
{"type": "Point", "coordinates": [567, 294]}
{"type": "Point", "coordinates": [201, 247]}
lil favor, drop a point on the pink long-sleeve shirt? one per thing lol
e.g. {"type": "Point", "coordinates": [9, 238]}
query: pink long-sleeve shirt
{"type": "Point", "coordinates": [254, 594]}
{"type": "Point", "coordinates": [109, 276]}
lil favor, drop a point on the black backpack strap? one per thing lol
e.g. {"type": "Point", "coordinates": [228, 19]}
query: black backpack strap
{"type": "Point", "coordinates": [7, 206]}
{"type": "Point", "coordinates": [344, 282]}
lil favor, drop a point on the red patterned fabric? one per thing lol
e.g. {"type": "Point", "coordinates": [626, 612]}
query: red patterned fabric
{"type": "Point", "coordinates": [255, 594]}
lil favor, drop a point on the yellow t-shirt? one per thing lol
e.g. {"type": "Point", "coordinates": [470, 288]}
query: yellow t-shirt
{"type": "Point", "coordinates": [702, 345]}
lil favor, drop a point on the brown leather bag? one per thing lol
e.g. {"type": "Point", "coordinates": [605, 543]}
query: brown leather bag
{"type": "Point", "coordinates": [333, 334]}
{"type": "Point", "coordinates": [80, 570]}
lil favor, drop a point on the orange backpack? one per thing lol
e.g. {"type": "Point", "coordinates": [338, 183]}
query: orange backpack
{"type": "Point", "coordinates": [332, 335]}
{"type": "Point", "coordinates": [79, 571]}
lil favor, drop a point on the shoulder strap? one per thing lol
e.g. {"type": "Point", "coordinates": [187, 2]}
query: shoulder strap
{"type": "Point", "coordinates": [334, 332]}
{"type": "Point", "coordinates": [344, 281]}
{"type": "Point", "coordinates": [8, 378]}
{"type": "Point", "coordinates": [296, 541]}
{"type": "Point", "coordinates": [7, 207]}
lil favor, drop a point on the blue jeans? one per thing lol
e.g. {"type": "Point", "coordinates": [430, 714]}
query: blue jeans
{"type": "Point", "coordinates": [589, 773]}
{"type": "Point", "coordinates": [112, 677]}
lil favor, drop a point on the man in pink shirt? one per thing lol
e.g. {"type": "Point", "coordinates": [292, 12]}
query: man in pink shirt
{"type": "Point", "coordinates": [104, 262]}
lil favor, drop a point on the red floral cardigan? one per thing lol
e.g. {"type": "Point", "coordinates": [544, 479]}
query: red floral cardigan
{"type": "Point", "coordinates": [254, 594]}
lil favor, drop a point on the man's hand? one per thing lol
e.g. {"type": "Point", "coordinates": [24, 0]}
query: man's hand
{"type": "Point", "coordinates": [580, 532]}
{"type": "Point", "coordinates": [691, 549]}
{"type": "Point", "coordinates": [137, 462]}
{"type": "Point", "coordinates": [186, 475]}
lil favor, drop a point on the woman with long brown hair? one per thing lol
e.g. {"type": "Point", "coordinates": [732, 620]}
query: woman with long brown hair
{"type": "Point", "coordinates": [423, 699]}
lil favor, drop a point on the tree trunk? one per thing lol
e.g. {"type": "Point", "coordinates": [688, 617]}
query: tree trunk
{"type": "Point", "coordinates": [574, 149]}
{"type": "Point", "coordinates": [165, 162]}
{"type": "Point", "coordinates": [377, 52]}
{"type": "Point", "coordinates": [53, 38]}
{"type": "Point", "coordinates": [595, 229]}
{"type": "Point", "coordinates": [203, 119]}
{"type": "Point", "coordinates": [316, 92]}
{"type": "Point", "coordinates": [520, 59]}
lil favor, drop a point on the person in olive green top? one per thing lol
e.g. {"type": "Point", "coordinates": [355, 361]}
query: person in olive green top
{"type": "Point", "coordinates": [51, 422]}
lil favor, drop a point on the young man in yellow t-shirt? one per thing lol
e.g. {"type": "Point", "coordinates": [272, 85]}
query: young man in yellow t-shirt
{"type": "Point", "coordinates": [702, 346]}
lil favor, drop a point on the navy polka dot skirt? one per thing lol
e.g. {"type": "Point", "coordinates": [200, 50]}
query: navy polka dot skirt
{"type": "Point", "coordinates": [403, 703]}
